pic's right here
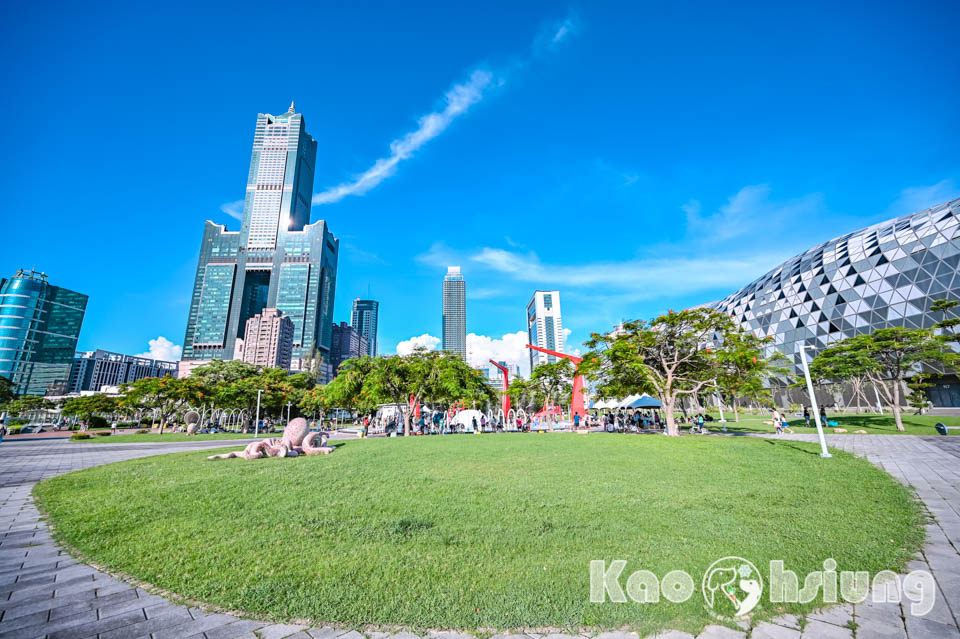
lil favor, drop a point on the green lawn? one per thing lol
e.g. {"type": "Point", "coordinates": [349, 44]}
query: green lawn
{"type": "Point", "coordinates": [166, 437]}
{"type": "Point", "coordinates": [873, 424]}
{"type": "Point", "coordinates": [479, 532]}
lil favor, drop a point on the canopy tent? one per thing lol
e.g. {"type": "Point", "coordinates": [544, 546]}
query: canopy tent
{"type": "Point", "coordinates": [644, 401]}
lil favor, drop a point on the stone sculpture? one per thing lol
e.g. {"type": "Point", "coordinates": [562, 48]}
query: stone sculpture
{"type": "Point", "coordinates": [297, 440]}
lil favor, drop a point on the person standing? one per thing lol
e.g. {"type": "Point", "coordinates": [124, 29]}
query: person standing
{"type": "Point", "coordinates": [806, 416]}
{"type": "Point", "coordinates": [823, 415]}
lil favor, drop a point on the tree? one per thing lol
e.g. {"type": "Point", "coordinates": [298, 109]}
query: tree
{"type": "Point", "coordinates": [166, 395]}
{"type": "Point", "coordinates": [837, 367]}
{"type": "Point", "coordinates": [223, 372]}
{"type": "Point", "coordinates": [86, 407]}
{"type": "Point", "coordinates": [526, 396]}
{"type": "Point", "coordinates": [670, 355]}
{"type": "Point", "coordinates": [947, 325]}
{"type": "Point", "coordinates": [553, 381]}
{"type": "Point", "coordinates": [744, 369]}
{"type": "Point", "coordinates": [888, 356]}
{"type": "Point", "coordinates": [27, 404]}
{"type": "Point", "coordinates": [6, 390]}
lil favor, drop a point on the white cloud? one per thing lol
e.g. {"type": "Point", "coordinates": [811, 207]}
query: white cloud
{"type": "Point", "coordinates": [426, 341]}
{"type": "Point", "coordinates": [233, 209]}
{"type": "Point", "coordinates": [510, 348]}
{"type": "Point", "coordinates": [752, 212]}
{"type": "Point", "coordinates": [918, 198]}
{"type": "Point", "coordinates": [163, 349]}
{"type": "Point", "coordinates": [458, 100]}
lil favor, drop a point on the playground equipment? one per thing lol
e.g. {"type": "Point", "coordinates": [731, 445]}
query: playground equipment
{"type": "Point", "coordinates": [576, 400]}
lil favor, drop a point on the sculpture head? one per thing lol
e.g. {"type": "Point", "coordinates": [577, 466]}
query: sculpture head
{"type": "Point", "coordinates": [295, 431]}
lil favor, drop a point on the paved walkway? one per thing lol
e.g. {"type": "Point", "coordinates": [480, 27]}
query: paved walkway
{"type": "Point", "coordinates": [45, 593]}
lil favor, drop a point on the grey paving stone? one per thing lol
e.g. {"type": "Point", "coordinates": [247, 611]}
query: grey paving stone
{"type": "Point", "coordinates": [921, 628]}
{"type": "Point", "coordinates": [766, 630]}
{"type": "Point", "coordinates": [836, 615]}
{"type": "Point", "coordinates": [278, 631]}
{"type": "Point", "coordinates": [234, 629]}
{"type": "Point", "coordinates": [721, 632]}
{"type": "Point", "coordinates": [325, 632]}
{"type": "Point", "coordinates": [877, 630]}
{"type": "Point", "coordinates": [788, 621]}
{"type": "Point", "coordinates": [823, 630]}
{"type": "Point", "coordinates": [603, 635]}
{"type": "Point", "coordinates": [24, 621]}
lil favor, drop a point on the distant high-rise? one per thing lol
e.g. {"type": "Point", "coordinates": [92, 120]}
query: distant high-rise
{"type": "Point", "coordinates": [544, 326]}
{"type": "Point", "coordinates": [364, 320]}
{"type": "Point", "coordinates": [268, 339]}
{"type": "Point", "coordinates": [454, 313]}
{"type": "Point", "coordinates": [276, 260]}
{"type": "Point", "coordinates": [39, 327]}
{"type": "Point", "coordinates": [347, 343]}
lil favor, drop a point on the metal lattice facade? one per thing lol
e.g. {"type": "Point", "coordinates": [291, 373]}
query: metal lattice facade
{"type": "Point", "coordinates": [885, 275]}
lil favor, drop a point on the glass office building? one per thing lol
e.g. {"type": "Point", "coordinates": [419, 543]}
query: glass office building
{"type": "Point", "coordinates": [363, 319]}
{"type": "Point", "coordinates": [276, 260]}
{"type": "Point", "coordinates": [39, 327]}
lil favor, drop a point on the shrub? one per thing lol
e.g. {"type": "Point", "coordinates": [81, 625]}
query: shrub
{"type": "Point", "coordinates": [103, 433]}
{"type": "Point", "coordinates": [13, 430]}
{"type": "Point", "coordinates": [77, 436]}
{"type": "Point", "coordinates": [96, 421]}
{"type": "Point", "coordinates": [142, 431]}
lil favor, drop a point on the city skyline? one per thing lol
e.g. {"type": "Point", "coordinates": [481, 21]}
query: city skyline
{"type": "Point", "coordinates": [716, 193]}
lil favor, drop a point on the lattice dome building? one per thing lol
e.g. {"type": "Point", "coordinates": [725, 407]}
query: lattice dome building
{"type": "Point", "coordinates": [885, 275]}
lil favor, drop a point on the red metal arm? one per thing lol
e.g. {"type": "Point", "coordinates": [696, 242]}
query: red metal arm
{"type": "Point", "coordinates": [505, 400]}
{"type": "Point", "coordinates": [576, 400]}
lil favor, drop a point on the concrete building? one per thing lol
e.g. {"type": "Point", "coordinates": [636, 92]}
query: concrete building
{"type": "Point", "coordinates": [544, 326]}
{"type": "Point", "coordinates": [364, 319]}
{"type": "Point", "coordinates": [882, 276]}
{"type": "Point", "coordinates": [268, 340]}
{"type": "Point", "coordinates": [39, 327]}
{"type": "Point", "coordinates": [92, 370]}
{"type": "Point", "coordinates": [277, 259]}
{"type": "Point", "coordinates": [345, 344]}
{"type": "Point", "coordinates": [454, 338]}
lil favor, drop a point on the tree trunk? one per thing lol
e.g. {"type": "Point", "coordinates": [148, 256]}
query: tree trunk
{"type": "Point", "coordinates": [895, 407]}
{"type": "Point", "coordinates": [672, 429]}
{"type": "Point", "coordinates": [736, 410]}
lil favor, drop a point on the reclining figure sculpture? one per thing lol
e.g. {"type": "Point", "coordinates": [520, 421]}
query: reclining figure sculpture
{"type": "Point", "coordinates": [297, 440]}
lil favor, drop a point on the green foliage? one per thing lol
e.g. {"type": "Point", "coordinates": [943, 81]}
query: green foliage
{"type": "Point", "coordinates": [553, 381]}
{"type": "Point", "coordinates": [887, 357]}
{"type": "Point", "coordinates": [86, 407]}
{"type": "Point", "coordinates": [745, 367]}
{"type": "Point", "coordinates": [27, 404]}
{"type": "Point", "coordinates": [79, 436]}
{"type": "Point", "coordinates": [6, 390]}
{"type": "Point", "coordinates": [670, 356]}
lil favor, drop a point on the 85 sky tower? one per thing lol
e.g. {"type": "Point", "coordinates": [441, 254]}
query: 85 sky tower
{"type": "Point", "coordinates": [276, 260]}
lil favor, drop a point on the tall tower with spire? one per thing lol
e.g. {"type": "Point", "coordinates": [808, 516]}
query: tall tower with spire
{"type": "Point", "coordinates": [277, 259]}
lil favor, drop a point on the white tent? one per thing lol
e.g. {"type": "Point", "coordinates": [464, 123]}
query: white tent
{"type": "Point", "coordinates": [465, 418]}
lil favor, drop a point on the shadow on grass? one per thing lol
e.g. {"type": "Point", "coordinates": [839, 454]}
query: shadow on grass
{"type": "Point", "coordinates": [798, 446]}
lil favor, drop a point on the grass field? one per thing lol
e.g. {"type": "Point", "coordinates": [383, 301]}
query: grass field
{"type": "Point", "coordinates": [479, 532]}
{"type": "Point", "coordinates": [873, 424]}
{"type": "Point", "coordinates": [166, 437]}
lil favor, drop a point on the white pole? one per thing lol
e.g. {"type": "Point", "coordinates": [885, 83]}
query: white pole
{"type": "Point", "coordinates": [879, 404]}
{"type": "Point", "coordinates": [256, 422]}
{"type": "Point", "coordinates": [813, 403]}
{"type": "Point", "coordinates": [720, 405]}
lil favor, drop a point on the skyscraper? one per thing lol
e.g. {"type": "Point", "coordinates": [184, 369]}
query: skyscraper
{"type": "Point", "coordinates": [39, 327]}
{"type": "Point", "coordinates": [276, 260]}
{"type": "Point", "coordinates": [93, 370]}
{"type": "Point", "coordinates": [454, 313]}
{"type": "Point", "coordinates": [544, 326]}
{"type": "Point", "coordinates": [364, 320]}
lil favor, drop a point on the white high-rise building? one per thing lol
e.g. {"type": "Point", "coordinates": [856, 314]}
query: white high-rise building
{"type": "Point", "coordinates": [454, 338]}
{"type": "Point", "coordinates": [544, 326]}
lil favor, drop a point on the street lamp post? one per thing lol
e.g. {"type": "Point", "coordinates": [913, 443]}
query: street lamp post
{"type": "Point", "coordinates": [256, 421]}
{"type": "Point", "coordinates": [813, 402]}
{"type": "Point", "coordinates": [289, 404]}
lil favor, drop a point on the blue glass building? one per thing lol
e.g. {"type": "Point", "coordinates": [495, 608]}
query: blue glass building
{"type": "Point", "coordinates": [39, 327]}
{"type": "Point", "coordinates": [276, 260]}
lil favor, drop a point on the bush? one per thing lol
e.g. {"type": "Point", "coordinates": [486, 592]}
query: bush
{"type": "Point", "coordinates": [13, 430]}
{"type": "Point", "coordinates": [13, 421]}
{"type": "Point", "coordinates": [77, 436]}
{"type": "Point", "coordinates": [96, 421]}
{"type": "Point", "coordinates": [103, 433]}
{"type": "Point", "coordinates": [142, 431]}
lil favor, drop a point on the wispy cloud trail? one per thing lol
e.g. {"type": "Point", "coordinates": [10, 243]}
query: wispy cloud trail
{"type": "Point", "coordinates": [459, 99]}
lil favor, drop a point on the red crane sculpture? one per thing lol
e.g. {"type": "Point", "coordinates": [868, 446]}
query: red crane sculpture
{"type": "Point", "coordinates": [576, 400]}
{"type": "Point", "coordinates": [505, 400]}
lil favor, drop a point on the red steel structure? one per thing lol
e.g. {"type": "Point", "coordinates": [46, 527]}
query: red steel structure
{"type": "Point", "coordinates": [505, 400]}
{"type": "Point", "coordinates": [576, 400]}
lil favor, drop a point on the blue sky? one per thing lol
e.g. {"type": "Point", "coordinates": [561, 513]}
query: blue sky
{"type": "Point", "coordinates": [638, 156]}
